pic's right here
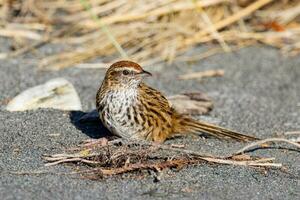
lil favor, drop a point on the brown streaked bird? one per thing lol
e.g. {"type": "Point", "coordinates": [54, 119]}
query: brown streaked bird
{"type": "Point", "coordinates": [131, 109]}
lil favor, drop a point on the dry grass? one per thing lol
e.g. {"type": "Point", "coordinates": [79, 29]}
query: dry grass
{"type": "Point", "coordinates": [146, 31]}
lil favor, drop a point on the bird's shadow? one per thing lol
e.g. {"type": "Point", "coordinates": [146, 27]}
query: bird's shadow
{"type": "Point", "coordinates": [89, 124]}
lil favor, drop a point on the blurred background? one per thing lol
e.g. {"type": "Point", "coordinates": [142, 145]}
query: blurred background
{"type": "Point", "coordinates": [146, 31]}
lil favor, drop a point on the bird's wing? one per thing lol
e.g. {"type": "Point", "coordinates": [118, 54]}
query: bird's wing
{"type": "Point", "coordinates": [154, 97]}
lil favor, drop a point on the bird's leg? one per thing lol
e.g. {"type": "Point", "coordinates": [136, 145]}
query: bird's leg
{"type": "Point", "coordinates": [99, 142]}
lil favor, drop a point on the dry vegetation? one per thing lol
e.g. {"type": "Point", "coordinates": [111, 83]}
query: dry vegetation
{"type": "Point", "coordinates": [146, 31]}
{"type": "Point", "coordinates": [102, 158]}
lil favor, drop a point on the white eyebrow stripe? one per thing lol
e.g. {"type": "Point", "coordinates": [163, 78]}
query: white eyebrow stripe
{"type": "Point", "coordinates": [126, 68]}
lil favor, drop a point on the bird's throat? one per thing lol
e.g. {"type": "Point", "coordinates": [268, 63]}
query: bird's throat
{"type": "Point", "coordinates": [124, 97]}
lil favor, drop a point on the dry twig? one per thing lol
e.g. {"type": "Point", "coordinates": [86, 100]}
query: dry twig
{"type": "Point", "coordinates": [260, 142]}
{"type": "Point", "coordinates": [122, 156]}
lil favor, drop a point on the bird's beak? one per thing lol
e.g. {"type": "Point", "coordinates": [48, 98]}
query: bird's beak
{"type": "Point", "coordinates": [145, 73]}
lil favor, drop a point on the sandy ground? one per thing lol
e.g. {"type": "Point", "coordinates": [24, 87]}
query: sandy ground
{"type": "Point", "coordinates": [259, 94]}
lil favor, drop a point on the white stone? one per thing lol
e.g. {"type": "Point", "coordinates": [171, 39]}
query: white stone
{"type": "Point", "coordinates": [57, 93]}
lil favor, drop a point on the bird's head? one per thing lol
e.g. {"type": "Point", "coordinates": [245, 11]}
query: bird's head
{"type": "Point", "coordinates": [125, 74]}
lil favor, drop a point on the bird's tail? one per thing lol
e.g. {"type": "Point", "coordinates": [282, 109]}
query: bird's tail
{"type": "Point", "coordinates": [184, 124]}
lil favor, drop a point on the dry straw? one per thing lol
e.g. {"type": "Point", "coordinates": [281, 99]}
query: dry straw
{"type": "Point", "coordinates": [146, 31]}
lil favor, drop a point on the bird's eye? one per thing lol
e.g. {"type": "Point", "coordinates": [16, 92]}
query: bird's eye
{"type": "Point", "coordinates": [125, 72]}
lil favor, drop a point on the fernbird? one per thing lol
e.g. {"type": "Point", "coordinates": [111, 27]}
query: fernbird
{"type": "Point", "coordinates": [131, 109]}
